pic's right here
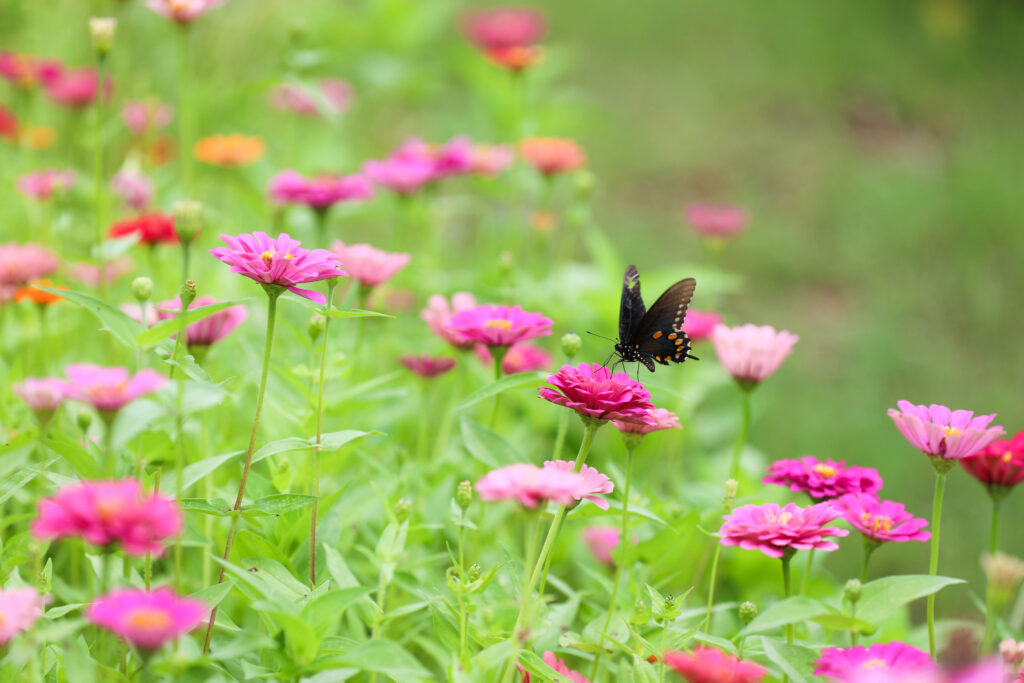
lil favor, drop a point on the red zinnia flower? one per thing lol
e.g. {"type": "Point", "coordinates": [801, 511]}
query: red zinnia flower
{"type": "Point", "coordinates": [152, 228]}
{"type": "Point", "coordinates": [999, 466]}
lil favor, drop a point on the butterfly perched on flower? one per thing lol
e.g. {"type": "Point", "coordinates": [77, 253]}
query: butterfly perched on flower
{"type": "Point", "coordinates": [654, 335]}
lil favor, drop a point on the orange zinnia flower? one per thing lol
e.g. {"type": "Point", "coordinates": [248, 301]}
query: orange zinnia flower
{"type": "Point", "coordinates": [38, 296]}
{"type": "Point", "coordinates": [552, 155]}
{"type": "Point", "coordinates": [229, 150]}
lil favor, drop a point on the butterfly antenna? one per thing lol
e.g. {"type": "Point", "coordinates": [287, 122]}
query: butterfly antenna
{"type": "Point", "coordinates": [601, 336]}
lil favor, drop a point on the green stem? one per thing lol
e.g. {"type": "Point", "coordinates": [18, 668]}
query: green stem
{"type": "Point", "coordinates": [933, 563]}
{"type": "Point", "coordinates": [807, 572]}
{"type": "Point", "coordinates": [990, 593]}
{"type": "Point", "coordinates": [463, 614]}
{"type": "Point", "coordinates": [712, 581]}
{"type": "Point", "coordinates": [563, 429]}
{"type": "Point", "coordinates": [787, 588]}
{"type": "Point", "coordinates": [331, 285]}
{"type": "Point", "coordinates": [273, 292]}
{"type": "Point", "coordinates": [661, 658]}
{"type": "Point", "coordinates": [184, 127]}
{"type": "Point", "coordinates": [869, 547]}
{"type": "Point", "coordinates": [741, 436]}
{"type": "Point", "coordinates": [499, 356]}
{"type": "Point", "coordinates": [98, 175]}
{"type": "Point", "coordinates": [181, 452]}
{"type": "Point", "coordinates": [186, 254]}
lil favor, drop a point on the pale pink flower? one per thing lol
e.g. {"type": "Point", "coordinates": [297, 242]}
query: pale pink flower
{"type": "Point", "coordinates": [147, 620]}
{"type": "Point", "coordinates": [133, 187]}
{"type": "Point", "coordinates": [439, 312]}
{"type": "Point", "coordinates": [335, 96]}
{"type": "Point", "coordinates": [699, 325]}
{"type": "Point", "coordinates": [42, 394]}
{"type": "Point", "coordinates": [134, 311]}
{"type": "Point", "coordinates": [209, 330]}
{"type": "Point", "coordinates": [428, 366]}
{"type": "Point", "coordinates": [523, 357]}
{"type": "Point", "coordinates": [368, 265]}
{"type": "Point", "coordinates": [110, 389]}
{"type": "Point", "coordinates": [663, 419]}
{"type": "Point", "coordinates": [23, 263]}
{"type": "Point", "coordinates": [183, 11]}
{"type": "Point", "coordinates": [948, 434]}
{"type": "Point", "coordinates": [716, 221]}
{"type": "Point", "coordinates": [594, 483]}
{"type": "Point", "coordinates": [403, 176]}
{"type": "Point", "coordinates": [490, 160]}
{"type": "Point", "coordinates": [318, 192]}
{"type": "Point", "coordinates": [846, 664]}
{"type": "Point", "coordinates": [89, 274]}
{"type": "Point", "coordinates": [752, 353]}
{"type": "Point", "coordinates": [881, 520]}
{"type": "Point", "coordinates": [595, 393]}
{"type": "Point", "coordinates": [144, 115]}
{"type": "Point", "coordinates": [823, 479]}
{"type": "Point", "coordinates": [19, 610]}
{"type": "Point", "coordinates": [530, 485]}
{"type": "Point", "coordinates": [775, 531]}
{"type": "Point", "coordinates": [42, 185]}
{"type": "Point", "coordinates": [602, 541]}
{"type": "Point", "coordinates": [496, 325]}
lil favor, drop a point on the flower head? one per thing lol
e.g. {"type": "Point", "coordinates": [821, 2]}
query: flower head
{"type": "Point", "coordinates": [400, 175]}
{"type": "Point", "coordinates": [948, 434]}
{"type": "Point", "coordinates": [133, 187]}
{"type": "Point", "coordinates": [439, 312]}
{"type": "Point", "coordinates": [112, 269]}
{"type": "Point", "coordinates": [106, 512]}
{"type": "Point", "coordinates": [777, 530]}
{"type": "Point", "coordinates": [559, 666]}
{"type": "Point", "coordinates": [495, 325]}
{"type": "Point", "coordinates": [210, 329]}
{"type": "Point", "coordinates": [716, 221]}
{"type": "Point", "coordinates": [999, 466]}
{"type": "Point", "coordinates": [698, 325]}
{"type": "Point", "coordinates": [318, 192]}
{"type": "Point", "coordinates": [183, 11]}
{"type": "Point", "coordinates": [490, 160]}
{"type": "Point", "coordinates": [23, 263]}
{"type": "Point", "coordinates": [594, 392]}
{"type": "Point", "coordinates": [152, 228]}
{"type": "Point", "coordinates": [33, 292]}
{"type": "Point", "coordinates": [845, 664]}
{"type": "Point", "coordinates": [504, 27]}
{"type": "Point", "coordinates": [428, 366]}
{"type": "Point", "coordinates": [27, 71]}
{"type": "Point", "coordinates": [110, 389]}
{"type": "Point", "coordinates": [19, 609]}
{"type": "Point", "coordinates": [881, 520]}
{"type": "Point", "coordinates": [524, 357]}
{"type": "Point", "coordinates": [823, 479]}
{"type": "Point", "coordinates": [42, 394]}
{"type": "Point", "coordinates": [551, 156]}
{"type": "Point", "coordinates": [1003, 571]}
{"type": "Point", "coordinates": [279, 261]}
{"type": "Point", "coordinates": [602, 541]}
{"type": "Point", "coordinates": [146, 619]}
{"type": "Point", "coordinates": [711, 665]}
{"type": "Point", "coordinates": [752, 353]}
{"type": "Point", "coordinates": [229, 150]}
{"type": "Point", "coordinates": [9, 129]}
{"type": "Point", "coordinates": [663, 419]}
{"type": "Point", "coordinates": [77, 88]}
{"type": "Point", "coordinates": [142, 116]}
{"type": "Point", "coordinates": [42, 185]}
{"type": "Point", "coordinates": [335, 96]}
{"type": "Point", "coordinates": [368, 265]}
{"type": "Point", "coordinates": [594, 483]}
{"type": "Point", "coordinates": [530, 485]}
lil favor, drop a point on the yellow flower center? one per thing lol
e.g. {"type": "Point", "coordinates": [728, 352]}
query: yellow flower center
{"type": "Point", "coordinates": [268, 257]}
{"type": "Point", "coordinates": [877, 524]}
{"type": "Point", "coordinates": [149, 619]}
{"type": "Point", "coordinates": [875, 663]}
{"type": "Point", "coordinates": [950, 431]}
{"type": "Point", "coordinates": [785, 517]}
{"type": "Point", "coordinates": [108, 509]}
{"type": "Point", "coordinates": [499, 323]}
{"type": "Point", "coordinates": [1007, 457]}
{"type": "Point", "coordinates": [824, 470]}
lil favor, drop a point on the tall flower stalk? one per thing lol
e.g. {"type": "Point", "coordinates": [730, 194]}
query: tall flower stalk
{"type": "Point", "coordinates": [102, 29]}
{"type": "Point", "coordinates": [331, 286]}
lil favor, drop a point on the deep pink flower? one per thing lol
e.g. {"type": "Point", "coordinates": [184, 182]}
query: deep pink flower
{"type": "Point", "coordinates": [28, 71]}
{"type": "Point", "coordinates": [823, 479]}
{"type": "Point", "coordinates": [774, 530]}
{"type": "Point", "coordinates": [999, 466]}
{"type": "Point", "coordinates": [143, 116]}
{"type": "Point", "coordinates": [594, 392]}
{"type": "Point", "coordinates": [524, 357]}
{"type": "Point", "coordinates": [404, 176]}
{"type": "Point", "coordinates": [183, 11]}
{"type": "Point", "coordinates": [938, 431]}
{"type": "Point", "coordinates": [602, 541]}
{"type": "Point", "coordinates": [368, 265]}
{"type": "Point", "coordinates": [76, 88]}
{"type": "Point", "coordinates": [209, 330]}
{"type": "Point", "coordinates": [42, 394]}
{"type": "Point", "coordinates": [716, 221]}
{"type": "Point", "coordinates": [663, 419]}
{"type": "Point", "coordinates": [110, 389]}
{"type": "Point", "coordinates": [335, 96]}
{"type": "Point", "coordinates": [504, 27]}
{"type": "Point", "coordinates": [594, 483]}
{"type": "Point", "coordinates": [428, 366]}
{"type": "Point", "coordinates": [845, 664]}
{"type": "Point", "coordinates": [279, 261]}
{"type": "Point", "coordinates": [530, 485]}
{"type": "Point", "coordinates": [559, 666]}
{"type": "Point", "coordinates": [698, 325]}
{"type": "Point", "coordinates": [439, 312]}
{"type": "Point", "coordinates": [455, 157]}
{"type": "Point", "coordinates": [42, 185]}
{"type": "Point", "coordinates": [490, 160]}
{"type": "Point", "coordinates": [146, 619]}
{"type": "Point", "coordinates": [881, 520]}
{"type": "Point", "coordinates": [752, 353]}
{"type": "Point", "coordinates": [23, 263]}
{"type": "Point", "coordinates": [495, 325]}
{"type": "Point", "coordinates": [19, 609]}
{"type": "Point", "coordinates": [105, 512]}
{"type": "Point", "coordinates": [711, 665]}
{"type": "Point", "coordinates": [318, 192]}
{"type": "Point", "coordinates": [133, 187]}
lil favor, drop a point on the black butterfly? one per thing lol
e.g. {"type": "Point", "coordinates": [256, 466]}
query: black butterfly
{"type": "Point", "coordinates": [649, 336]}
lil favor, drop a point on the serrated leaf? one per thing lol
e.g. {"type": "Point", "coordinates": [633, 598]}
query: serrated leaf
{"type": "Point", "coordinates": [882, 597]}
{"type": "Point", "coordinates": [166, 328]}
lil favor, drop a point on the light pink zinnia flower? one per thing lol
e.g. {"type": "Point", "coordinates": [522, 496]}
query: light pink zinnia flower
{"type": "Point", "coordinates": [133, 187]}
{"type": "Point", "coordinates": [504, 27]}
{"type": "Point", "coordinates": [401, 175]}
{"type": "Point", "coordinates": [110, 389]}
{"type": "Point", "coordinates": [823, 479]}
{"type": "Point", "coordinates": [23, 263]}
{"type": "Point", "coordinates": [845, 664]}
{"type": "Point", "coordinates": [523, 357]}
{"type": "Point", "coordinates": [752, 353]}
{"type": "Point", "coordinates": [335, 96]}
{"type": "Point", "coordinates": [594, 483]}
{"type": "Point", "coordinates": [105, 512]}
{"type": "Point", "coordinates": [183, 11]}
{"type": "Point", "coordinates": [368, 265]}
{"type": "Point", "coordinates": [43, 394]}
{"type": "Point", "coordinates": [530, 485]}
{"type": "Point", "coordinates": [710, 665]}
{"type": "Point", "coordinates": [146, 619]}
{"type": "Point", "coordinates": [19, 609]}
{"type": "Point", "coordinates": [602, 541]}
{"type": "Point", "coordinates": [318, 192]}
{"type": "Point", "coordinates": [113, 269]}
{"type": "Point", "coordinates": [279, 262]}
{"type": "Point", "coordinates": [490, 160]}
{"type": "Point", "coordinates": [699, 325]}
{"type": "Point", "coordinates": [209, 330]}
{"type": "Point", "coordinates": [594, 392]}
{"type": "Point", "coordinates": [775, 531]}
{"type": "Point", "coordinates": [716, 221]}
{"type": "Point", "coordinates": [663, 419]}
{"type": "Point", "coordinates": [42, 185]}
{"type": "Point", "coordinates": [144, 115]}
{"type": "Point", "coordinates": [428, 366]}
{"type": "Point", "coordinates": [938, 431]}
{"type": "Point", "coordinates": [559, 666]}
{"type": "Point", "coordinates": [881, 520]}
{"type": "Point", "coordinates": [495, 325]}
{"type": "Point", "coordinates": [439, 312]}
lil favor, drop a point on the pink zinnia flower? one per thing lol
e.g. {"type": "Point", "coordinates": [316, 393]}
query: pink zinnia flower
{"type": "Point", "coordinates": [401, 175]}
{"type": "Point", "coordinates": [113, 269]}
{"type": "Point", "coordinates": [209, 330]}
{"type": "Point", "coordinates": [699, 325]}
{"type": "Point", "coordinates": [368, 265]}
{"type": "Point", "coordinates": [110, 389]}
{"type": "Point", "coordinates": [551, 156]}
{"type": "Point", "coordinates": [752, 353]}
{"type": "Point", "coordinates": [663, 419]}
{"type": "Point", "coordinates": [19, 609]}
{"type": "Point", "coordinates": [711, 665]}
{"type": "Point", "coordinates": [439, 312]}
{"type": "Point", "coordinates": [504, 27]}
{"type": "Point", "coordinates": [490, 160]}
{"type": "Point", "coordinates": [23, 263]}
{"type": "Point", "coordinates": [28, 71]}
{"type": "Point", "coordinates": [455, 157]}
{"type": "Point", "coordinates": [524, 357]}
{"type": "Point", "coordinates": [183, 11]}
{"type": "Point", "coordinates": [530, 485]}
{"type": "Point", "coordinates": [495, 325]}
{"type": "Point", "coordinates": [594, 483]}
{"type": "Point", "coordinates": [146, 619]}
{"type": "Point", "coordinates": [823, 479]}
{"type": "Point", "coordinates": [105, 512]}
{"type": "Point", "coordinates": [716, 221]}
{"type": "Point", "coordinates": [428, 366]}
{"type": "Point", "coordinates": [775, 531]}
{"type": "Point", "coordinates": [279, 262]}
{"type": "Point", "coordinates": [938, 431]}
{"type": "Point", "coordinates": [846, 664]}
{"type": "Point", "coordinates": [145, 115]}
{"type": "Point", "coordinates": [319, 192]}
{"type": "Point", "coordinates": [335, 96]}
{"type": "Point", "coordinates": [594, 392]}
{"type": "Point", "coordinates": [559, 666]}
{"type": "Point", "coordinates": [602, 541]}
{"type": "Point", "coordinates": [999, 466]}
{"type": "Point", "coordinates": [42, 185]}
{"type": "Point", "coordinates": [133, 187]}
{"type": "Point", "coordinates": [881, 520]}
{"type": "Point", "coordinates": [43, 395]}
{"type": "Point", "coordinates": [76, 88]}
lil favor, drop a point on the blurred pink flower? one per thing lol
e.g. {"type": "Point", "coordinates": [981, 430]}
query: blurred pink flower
{"type": "Point", "coordinates": [559, 666]}
{"type": "Point", "coordinates": [113, 269]}
{"type": "Point", "coordinates": [134, 311]}
{"type": "Point", "coordinates": [938, 431]}
{"type": "Point", "coordinates": [774, 530]}
{"type": "Point", "coordinates": [823, 479]}
{"type": "Point", "coordinates": [602, 541]}
{"type": "Point", "coordinates": [455, 157]}
{"type": "Point", "coordinates": [523, 357]}
{"type": "Point", "coordinates": [110, 389]}
{"type": "Point", "coordinates": [19, 610]}
{"type": "Point", "coordinates": [551, 156]}
{"type": "Point", "coordinates": [490, 160]}
{"type": "Point", "coordinates": [209, 330]}
{"type": "Point", "coordinates": [999, 466]}
{"type": "Point", "coordinates": [663, 419]}
{"type": "Point", "coordinates": [698, 325]}
{"type": "Point", "coordinates": [882, 520]}
{"type": "Point", "coordinates": [42, 185]}
{"type": "Point", "coordinates": [147, 620]}
{"type": "Point", "coordinates": [106, 512]}
{"type": "Point", "coordinates": [142, 116]}
{"type": "Point", "coordinates": [23, 263]}
{"type": "Point", "coordinates": [497, 325]}
{"type": "Point", "coordinates": [594, 483]}
{"type": "Point", "coordinates": [504, 27]}
{"type": "Point", "coordinates": [368, 265]}
{"type": "Point", "coordinates": [439, 312]}
{"type": "Point", "coordinates": [594, 392]}
{"type": "Point", "coordinates": [183, 11]}
{"type": "Point", "coordinates": [428, 366]}
{"type": "Point", "coordinates": [716, 221]}
{"type": "Point", "coordinates": [279, 262]}
{"type": "Point", "coordinates": [752, 353]}
{"type": "Point", "coordinates": [76, 88]}
{"type": "Point", "coordinates": [711, 665]}
{"type": "Point", "coordinates": [318, 192]}
{"type": "Point", "coordinates": [133, 187]}
{"type": "Point", "coordinates": [404, 176]}
{"type": "Point", "coordinates": [42, 394]}
{"type": "Point", "coordinates": [28, 71]}
{"type": "Point", "coordinates": [335, 96]}
{"type": "Point", "coordinates": [530, 485]}
{"type": "Point", "coordinates": [845, 664]}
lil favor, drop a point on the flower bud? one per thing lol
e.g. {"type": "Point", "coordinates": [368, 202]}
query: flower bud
{"type": "Point", "coordinates": [403, 510]}
{"type": "Point", "coordinates": [748, 611]}
{"type": "Point", "coordinates": [84, 420]}
{"type": "Point", "coordinates": [641, 614]}
{"type": "Point", "coordinates": [1004, 572]}
{"type": "Point", "coordinates": [1012, 653]}
{"type": "Point", "coordinates": [142, 289]}
{"type": "Point", "coordinates": [474, 572]}
{"type": "Point", "coordinates": [316, 326]}
{"type": "Point", "coordinates": [571, 344]}
{"type": "Point", "coordinates": [187, 216]}
{"type": "Point", "coordinates": [464, 494]}
{"type": "Point", "coordinates": [102, 30]}
{"type": "Point", "coordinates": [188, 293]}
{"type": "Point", "coordinates": [584, 184]}
{"type": "Point", "coordinates": [852, 590]}
{"type": "Point", "coordinates": [729, 500]}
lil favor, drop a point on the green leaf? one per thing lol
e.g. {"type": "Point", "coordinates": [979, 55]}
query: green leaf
{"type": "Point", "coordinates": [247, 544]}
{"type": "Point", "coordinates": [166, 328]}
{"type": "Point", "coordinates": [198, 470]}
{"type": "Point", "coordinates": [532, 662]}
{"type": "Point", "coordinates": [354, 313]}
{"type": "Point", "coordinates": [111, 249]}
{"type": "Point", "coordinates": [383, 656]}
{"type": "Point", "coordinates": [643, 671]}
{"type": "Point", "coordinates": [843, 622]}
{"type": "Point", "coordinates": [278, 504]}
{"type": "Point", "coordinates": [214, 506]}
{"type": "Point", "coordinates": [519, 380]}
{"type": "Point", "coordinates": [882, 597]}
{"type": "Point", "coordinates": [488, 446]}
{"type": "Point", "coordinates": [323, 611]}
{"type": "Point", "coordinates": [213, 595]}
{"type": "Point", "coordinates": [114, 321]}
{"type": "Point", "coordinates": [789, 611]}
{"type": "Point", "coordinates": [286, 445]}
{"type": "Point", "coordinates": [332, 441]}
{"type": "Point", "coordinates": [615, 508]}
{"type": "Point", "coordinates": [797, 661]}
{"type": "Point", "coordinates": [13, 483]}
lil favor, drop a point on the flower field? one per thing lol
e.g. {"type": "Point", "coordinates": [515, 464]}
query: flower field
{"type": "Point", "coordinates": [392, 341]}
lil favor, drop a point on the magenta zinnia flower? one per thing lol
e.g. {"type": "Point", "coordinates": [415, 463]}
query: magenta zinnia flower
{"type": "Point", "coordinates": [711, 665]}
{"type": "Point", "coordinates": [594, 392]}
{"type": "Point", "coordinates": [280, 262]}
{"type": "Point", "coordinates": [504, 27]}
{"type": "Point", "coordinates": [438, 315]}
{"type": "Point", "coordinates": [77, 88]}
{"type": "Point", "coordinates": [846, 664]}
{"type": "Point", "coordinates": [146, 619]}
{"type": "Point", "coordinates": [209, 330]}
{"type": "Point", "coordinates": [318, 192]}
{"type": "Point", "coordinates": [999, 466]}
{"type": "Point", "coordinates": [42, 185]}
{"type": "Point", "coordinates": [752, 353]}
{"type": "Point", "coordinates": [19, 609]}
{"type": "Point", "coordinates": [368, 265]}
{"type": "Point", "coordinates": [105, 512]}
{"type": "Point", "coordinates": [110, 389]}
{"type": "Point", "coordinates": [531, 485]}
{"type": "Point", "coordinates": [663, 419]}
{"type": "Point", "coordinates": [823, 479]}
{"type": "Point", "coordinates": [495, 325]}
{"type": "Point", "coordinates": [594, 483]}
{"type": "Point", "coordinates": [775, 531]}
{"type": "Point", "coordinates": [559, 666]}
{"type": "Point", "coordinates": [716, 221]}
{"type": "Point", "coordinates": [699, 325]}
{"type": "Point", "coordinates": [938, 431]}
{"type": "Point", "coordinates": [428, 366]}
{"type": "Point", "coordinates": [881, 520]}
{"type": "Point", "coordinates": [183, 11]}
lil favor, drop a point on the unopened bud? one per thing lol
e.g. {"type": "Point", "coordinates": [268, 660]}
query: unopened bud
{"type": "Point", "coordinates": [188, 293]}
{"type": "Point", "coordinates": [852, 590]}
{"type": "Point", "coordinates": [316, 326]}
{"type": "Point", "coordinates": [1012, 653]}
{"type": "Point", "coordinates": [474, 572]}
{"type": "Point", "coordinates": [584, 184]}
{"type": "Point", "coordinates": [748, 611]}
{"type": "Point", "coordinates": [464, 494]}
{"type": "Point", "coordinates": [102, 30]}
{"type": "Point", "coordinates": [729, 500]}
{"type": "Point", "coordinates": [84, 421]}
{"type": "Point", "coordinates": [187, 216]}
{"type": "Point", "coordinates": [571, 344]}
{"type": "Point", "coordinates": [403, 509]}
{"type": "Point", "coordinates": [1004, 572]}
{"type": "Point", "coordinates": [142, 289]}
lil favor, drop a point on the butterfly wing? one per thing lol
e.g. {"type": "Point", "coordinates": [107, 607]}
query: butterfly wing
{"type": "Point", "coordinates": [657, 334]}
{"type": "Point", "coordinates": [632, 309]}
